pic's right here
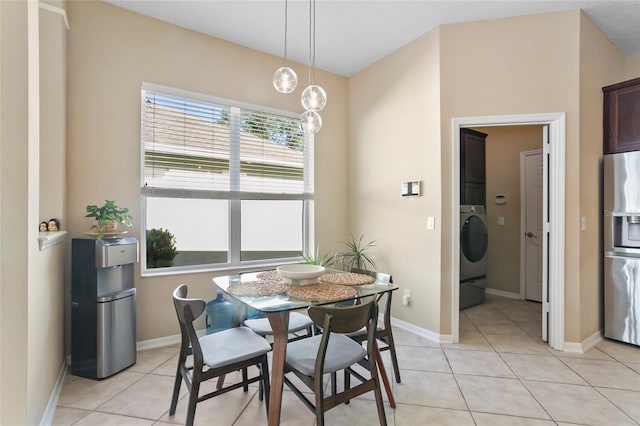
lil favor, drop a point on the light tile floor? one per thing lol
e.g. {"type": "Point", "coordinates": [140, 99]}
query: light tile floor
{"type": "Point", "coordinates": [500, 373]}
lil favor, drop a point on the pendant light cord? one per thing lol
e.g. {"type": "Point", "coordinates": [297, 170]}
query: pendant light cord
{"type": "Point", "coordinates": [312, 40]}
{"type": "Point", "coordinates": [285, 32]}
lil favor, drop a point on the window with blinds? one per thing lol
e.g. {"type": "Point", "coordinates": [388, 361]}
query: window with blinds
{"type": "Point", "coordinates": [231, 182]}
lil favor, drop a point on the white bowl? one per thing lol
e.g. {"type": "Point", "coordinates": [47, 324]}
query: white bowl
{"type": "Point", "coordinates": [300, 271]}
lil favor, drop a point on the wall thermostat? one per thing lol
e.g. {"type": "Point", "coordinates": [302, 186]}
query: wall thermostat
{"type": "Point", "coordinates": [410, 189]}
{"type": "Point", "coordinates": [501, 199]}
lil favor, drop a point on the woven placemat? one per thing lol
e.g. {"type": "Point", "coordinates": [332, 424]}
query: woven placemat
{"type": "Point", "coordinates": [321, 292]}
{"type": "Point", "coordinates": [269, 275]}
{"type": "Point", "coordinates": [346, 278]}
{"type": "Point", "coordinates": [264, 287]}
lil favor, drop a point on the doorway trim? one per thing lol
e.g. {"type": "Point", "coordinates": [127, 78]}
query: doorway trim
{"type": "Point", "coordinates": [555, 188]}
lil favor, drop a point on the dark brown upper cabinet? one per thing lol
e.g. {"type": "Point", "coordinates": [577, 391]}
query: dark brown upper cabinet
{"type": "Point", "coordinates": [622, 117]}
{"type": "Point", "coordinates": [472, 167]}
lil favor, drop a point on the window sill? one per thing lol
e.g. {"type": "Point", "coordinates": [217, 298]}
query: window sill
{"type": "Point", "coordinates": [49, 239]}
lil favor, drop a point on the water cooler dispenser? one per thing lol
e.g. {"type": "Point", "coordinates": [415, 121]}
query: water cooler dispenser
{"type": "Point", "coordinates": [103, 306]}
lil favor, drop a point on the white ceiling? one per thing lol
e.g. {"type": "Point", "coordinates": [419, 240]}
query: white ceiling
{"type": "Point", "coordinates": [352, 34]}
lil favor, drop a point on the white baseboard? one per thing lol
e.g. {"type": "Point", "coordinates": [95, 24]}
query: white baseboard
{"type": "Point", "coordinates": [502, 293]}
{"type": "Point", "coordinates": [50, 410]}
{"type": "Point", "coordinates": [585, 345]}
{"type": "Point", "coordinates": [422, 332]}
{"type": "Point", "coordinates": [163, 341]}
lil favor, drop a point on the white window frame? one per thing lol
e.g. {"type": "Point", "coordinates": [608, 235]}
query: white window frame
{"type": "Point", "coordinates": [234, 196]}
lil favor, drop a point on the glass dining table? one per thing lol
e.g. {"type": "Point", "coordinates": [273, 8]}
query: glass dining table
{"type": "Point", "coordinates": [246, 289]}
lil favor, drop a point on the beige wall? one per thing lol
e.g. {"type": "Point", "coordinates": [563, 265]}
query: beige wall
{"type": "Point", "coordinates": [31, 281]}
{"type": "Point", "coordinates": [632, 67]}
{"type": "Point", "coordinates": [510, 66]}
{"type": "Point", "coordinates": [111, 52]}
{"type": "Point", "coordinates": [601, 64]}
{"type": "Point", "coordinates": [498, 75]}
{"type": "Point", "coordinates": [13, 204]}
{"type": "Point", "coordinates": [503, 148]}
{"type": "Point", "coordinates": [393, 138]}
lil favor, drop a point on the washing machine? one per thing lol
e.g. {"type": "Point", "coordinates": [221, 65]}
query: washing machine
{"type": "Point", "coordinates": [473, 255]}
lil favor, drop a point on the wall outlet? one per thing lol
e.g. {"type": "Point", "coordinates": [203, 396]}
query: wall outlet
{"type": "Point", "coordinates": [406, 297]}
{"type": "Point", "coordinates": [501, 220]}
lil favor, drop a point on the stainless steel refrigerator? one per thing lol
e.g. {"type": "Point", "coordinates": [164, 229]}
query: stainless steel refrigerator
{"type": "Point", "coordinates": [622, 247]}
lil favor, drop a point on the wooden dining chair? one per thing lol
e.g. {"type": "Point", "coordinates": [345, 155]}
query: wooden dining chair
{"type": "Point", "coordinates": [297, 323]}
{"type": "Point", "coordinates": [332, 351]}
{"type": "Point", "coordinates": [214, 355]}
{"type": "Point", "coordinates": [384, 332]}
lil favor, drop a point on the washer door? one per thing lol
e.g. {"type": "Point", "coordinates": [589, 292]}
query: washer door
{"type": "Point", "coordinates": [473, 239]}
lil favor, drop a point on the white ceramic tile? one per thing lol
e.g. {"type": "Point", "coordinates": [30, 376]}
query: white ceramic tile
{"type": "Point", "coordinates": [486, 419]}
{"type": "Point", "coordinates": [422, 359]}
{"type": "Point", "coordinates": [542, 368]}
{"type": "Point", "coordinates": [425, 396]}
{"type": "Point", "coordinates": [627, 401]}
{"type": "Point", "coordinates": [499, 327]}
{"type": "Point", "coordinates": [148, 398]}
{"type": "Point", "coordinates": [222, 410]}
{"type": "Point", "coordinates": [609, 374]}
{"type": "Point", "coordinates": [88, 394]}
{"type": "Point", "coordinates": [634, 366]}
{"type": "Point", "coordinates": [67, 416]}
{"type": "Point", "coordinates": [499, 396]}
{"type": "Point", "coordinates": [470, 340]}
{"type": "Point", "coordinates": [593, 353]}
{"type": "Point", "coordinates": [478, 363]}
{"type": "Point", "coordinates": [105, 419]}
{"type": "Point", "coordinates": [517, 344]}
{"type": "Point", "coordinates": [150, 359]}
{"type": "Point", "coordinates": [411, 415]}
{"type": "Point", "coordinates": [620, 351]}
{"type": "Point", "coordinates": [403, 337]}
{"type": "Point", "coordinates": [429, 389]}
{"type": "Point", "coordinates": [357, 412]}
{"type": "Point", "coordinates": [482, 313]}
{"type": "Point", "coordinates": [532, 328]}
{"type": "Point", "coordinates": [293, 412]}
{"type": "Point", "coordinates": [577, 404]}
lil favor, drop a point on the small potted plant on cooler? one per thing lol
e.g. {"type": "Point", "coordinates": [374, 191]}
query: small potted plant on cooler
{"type": "Point", "coordinates": [109, 218]}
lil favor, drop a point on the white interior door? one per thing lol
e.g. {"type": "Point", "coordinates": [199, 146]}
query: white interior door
{"type": "Point", "coordinates": [532, 203]}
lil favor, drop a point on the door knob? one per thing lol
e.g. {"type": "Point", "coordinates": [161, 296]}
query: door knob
{"type": "Point", "coordinates": [530, 234]}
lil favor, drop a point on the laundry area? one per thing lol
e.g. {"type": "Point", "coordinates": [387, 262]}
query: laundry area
{"type": "Point", "coordinates": [492, 216]}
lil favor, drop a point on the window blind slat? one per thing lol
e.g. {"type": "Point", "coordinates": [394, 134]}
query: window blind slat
{"type": "Point", "coordinates": [187, 145]}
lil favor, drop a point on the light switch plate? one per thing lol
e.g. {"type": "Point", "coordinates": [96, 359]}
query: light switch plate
{"type": "Point", "coordinates": [431, 223]}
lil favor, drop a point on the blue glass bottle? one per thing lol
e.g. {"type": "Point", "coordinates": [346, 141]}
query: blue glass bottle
{"type": "Point", "coordinates": [220, 314]}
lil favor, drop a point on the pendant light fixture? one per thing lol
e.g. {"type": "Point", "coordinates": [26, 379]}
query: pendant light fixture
{"type": "Point", "coordinates": [314, 98]}
{"type": "Point", "coordinates": [285, 79]}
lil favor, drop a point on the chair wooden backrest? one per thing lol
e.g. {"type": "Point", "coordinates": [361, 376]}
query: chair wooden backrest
{"type": "Point", "coordinates": [187, 310]}
{"type": "Point", "coordinates": [343, 320]}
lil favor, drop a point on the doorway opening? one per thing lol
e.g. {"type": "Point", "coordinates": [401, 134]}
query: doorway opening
{"type": "Point", "coordinates": [553, 228]}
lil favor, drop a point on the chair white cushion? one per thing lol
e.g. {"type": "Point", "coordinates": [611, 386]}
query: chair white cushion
{"type": "Point", "coordinates": [297, 322]}
{"type": "Point", "coordinates": [341, 353]}
{"type": "Point", "coordinates": [232, 345]}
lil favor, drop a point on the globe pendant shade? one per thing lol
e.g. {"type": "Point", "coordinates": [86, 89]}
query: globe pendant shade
{"type": "Point", "coordinates": [285, 80]}
{"type": "Point", "coordinates": [314, 98]}
{"type": "Point", "coordinates": [310, 122]}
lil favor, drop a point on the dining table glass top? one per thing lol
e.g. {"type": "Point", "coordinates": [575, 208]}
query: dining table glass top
{"type": "Point", "coordinates": [267, 292]}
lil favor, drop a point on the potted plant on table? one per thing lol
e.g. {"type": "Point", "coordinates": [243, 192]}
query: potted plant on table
{"type": "Point", "coordinates": [316, 258]}
{"type": "Point", "coordinates": [108, 218]}
{"type": "Point", "coordinates": [357, 256]}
